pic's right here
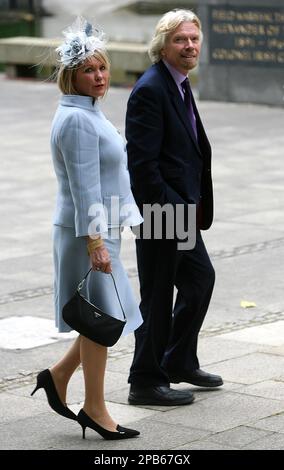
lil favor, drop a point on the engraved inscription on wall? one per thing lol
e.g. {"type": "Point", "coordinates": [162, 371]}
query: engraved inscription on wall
{"type": "Point", "coordinates": [247, 36]}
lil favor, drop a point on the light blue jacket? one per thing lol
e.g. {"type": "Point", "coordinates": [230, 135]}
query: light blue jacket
{"type": "Point", "coordinates": [90, 163]}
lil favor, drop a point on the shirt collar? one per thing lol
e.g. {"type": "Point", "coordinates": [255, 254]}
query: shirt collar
{"type": "Point", "coordinates": [80, 101]}
{"type": "Point", "coordinates": [177, 76]}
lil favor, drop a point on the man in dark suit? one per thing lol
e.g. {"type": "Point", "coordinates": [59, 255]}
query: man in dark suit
{"type": "Point", "coordinates": [170, 163]}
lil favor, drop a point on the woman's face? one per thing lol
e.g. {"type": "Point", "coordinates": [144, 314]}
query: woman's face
{"type": "Point", "coordinates": [92, 78]}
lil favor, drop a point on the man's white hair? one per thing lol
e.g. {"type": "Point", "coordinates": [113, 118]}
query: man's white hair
{"type": "Point", "coordinates": [166, 25]}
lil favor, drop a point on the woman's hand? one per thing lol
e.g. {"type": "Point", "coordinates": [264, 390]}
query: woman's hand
{"type": "Point", "coordinates": [100, 260]}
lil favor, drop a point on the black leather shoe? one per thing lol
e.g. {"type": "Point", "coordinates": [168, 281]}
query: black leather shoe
{"type": "Point", "coordinates": [159, 395]}
{"type": "Point", "coordinates": [197, 377]}
{"type": "Point", "coordinates": [121, 433]}
{"type": "Point", "coordinates": [45, 381]}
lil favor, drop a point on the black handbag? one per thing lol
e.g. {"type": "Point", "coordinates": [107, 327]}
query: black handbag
{"type": "Point", "coordinates": [90, 321]}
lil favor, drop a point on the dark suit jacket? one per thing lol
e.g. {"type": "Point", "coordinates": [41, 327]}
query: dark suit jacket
{"type": "Point", "coordinates": [166, 162]}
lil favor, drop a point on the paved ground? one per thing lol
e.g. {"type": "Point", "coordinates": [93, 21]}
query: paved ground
{"type": "Point", "coordinates": [246, 243]}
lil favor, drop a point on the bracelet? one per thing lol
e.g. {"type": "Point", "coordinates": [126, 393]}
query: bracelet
{"type": "Point", "coordinates": [94, 244]}
{"type": "Point", "coordinates": [95, 237]}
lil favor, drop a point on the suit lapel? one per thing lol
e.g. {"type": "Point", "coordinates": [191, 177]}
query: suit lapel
{"type": "Point", "coordinates": [203, 139]}
{"type": "Point", "coordinates": [181, 110]}
{"type": "Point", "coordinates": [178, 103]}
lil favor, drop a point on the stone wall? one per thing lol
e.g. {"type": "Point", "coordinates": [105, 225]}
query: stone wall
{"type": "Point", "coordinates": [243, 52]}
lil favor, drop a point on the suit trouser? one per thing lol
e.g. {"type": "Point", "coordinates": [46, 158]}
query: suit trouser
{"type": "Point", "coordinates": [167, 340]}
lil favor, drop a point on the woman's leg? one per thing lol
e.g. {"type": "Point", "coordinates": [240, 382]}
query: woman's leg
{"type": "Point", "coordinates": [63, 370]}
{"type": "Point", "coordinates": [93, 358]}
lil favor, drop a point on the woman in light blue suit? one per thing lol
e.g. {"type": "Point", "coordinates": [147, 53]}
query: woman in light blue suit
{"type": "Point", "coordinates": [94, 201]}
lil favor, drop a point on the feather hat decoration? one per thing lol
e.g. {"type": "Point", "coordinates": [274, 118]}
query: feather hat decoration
{"type": "Point", "coordinates": [81, 41]}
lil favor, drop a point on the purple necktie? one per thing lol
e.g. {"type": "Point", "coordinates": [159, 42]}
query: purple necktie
{"type": "Point", "coordinates": [188, 103]}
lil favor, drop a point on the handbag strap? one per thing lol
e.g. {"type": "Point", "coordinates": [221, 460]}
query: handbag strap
{"type": "Point", "coordinates": [81, 284]}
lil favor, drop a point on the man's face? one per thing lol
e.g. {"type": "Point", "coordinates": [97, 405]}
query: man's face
{"type": "Point", "coordinates": [182, 47]}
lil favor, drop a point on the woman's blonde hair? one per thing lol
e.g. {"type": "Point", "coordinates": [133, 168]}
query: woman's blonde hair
{"type": "Point", "coordinates": [167, 24]}
{"type": "Point", "coordinates": [66, 75]}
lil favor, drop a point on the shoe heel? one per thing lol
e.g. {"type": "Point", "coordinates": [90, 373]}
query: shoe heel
{"type": "Point", "coordinates": [83, 432]}
{"type": "Point", "coordinates": [39, 383]}
{"type": "Point", "coordinates": [37, 387]}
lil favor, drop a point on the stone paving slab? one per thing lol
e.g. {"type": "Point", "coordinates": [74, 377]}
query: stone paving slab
{"type": "Point", "coordinates": [218, 415]}
{"type": "Point", "coordinates": [239, 437]}
{"type": "Point", "coordinates": [265, 217]}
{"type": "Point", "coordinates": [13, 408]}
{"type": "Point", "coordinates": [49, 431]}
{"type": "Point", "coordinates": [30, 360]}
{"type": "Point", "coordinates": [43, 307]}
{"type": "Point", "coordinates": [25, 332]}
{"type": "Point", "coordinates": [35, 272]}
{"type": "Point", "coordinates": [214, 350]}
{"type": "Point", "coordinates": [43, 431]}
{"type": "Point", "coordinates": [271, 423]}
{"type": "Point", "coordinates": [251, 368]}
{"type": "Point", "coordinates": [266, 389]}
{"type": "Point", "coordinates": [253, 288]}
{"type": "Point", "coordinates": [271, 334]}
{"type": "Point", "coordinates": [272, 442]}
{"type": "Point", "coordinates": [277, 350]}
{"type": "Point", "coordinates": [205, 445]}
{"type": "Point", "coordinates": [247, 234]}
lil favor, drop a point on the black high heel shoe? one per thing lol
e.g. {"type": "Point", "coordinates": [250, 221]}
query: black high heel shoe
{"type": "Point", "coordinates": [122, 433]}
{"type": "Point", "coordinates": [45, 381]}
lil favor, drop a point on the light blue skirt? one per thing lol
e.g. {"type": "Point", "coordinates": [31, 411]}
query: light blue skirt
{"type": "Point", "coordinates": [71, 263]}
